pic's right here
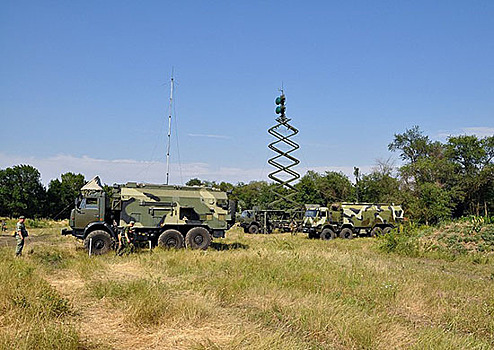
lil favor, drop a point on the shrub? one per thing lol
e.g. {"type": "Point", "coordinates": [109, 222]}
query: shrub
{"type": "Point", "coordinates": [404, 241]}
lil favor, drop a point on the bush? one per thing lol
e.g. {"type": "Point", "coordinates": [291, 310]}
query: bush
{"type": "Point", "coordinates": [404, 241]}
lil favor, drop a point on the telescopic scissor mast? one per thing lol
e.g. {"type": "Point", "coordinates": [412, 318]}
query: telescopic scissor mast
{"type": "Point", "coordinates": [284, 174]}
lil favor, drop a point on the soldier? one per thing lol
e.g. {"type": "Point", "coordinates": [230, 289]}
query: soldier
{"type": "Point", "coordinates": [20, 235]}
{"type": "Point", "coordinates": [125, 239]}
{"type": "Point", "coordinates": [293, 227]}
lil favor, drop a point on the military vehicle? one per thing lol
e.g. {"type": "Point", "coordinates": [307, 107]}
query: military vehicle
{"type": "Point", "coordinates": [266, 221]}
{"type": "Point", "coordinates": [348, 219]}
{"type": "Point", "coordinates": [164, 215]}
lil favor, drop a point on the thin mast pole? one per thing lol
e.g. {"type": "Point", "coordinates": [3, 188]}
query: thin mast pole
{"type": "Point", "coordinates": [169, 132]}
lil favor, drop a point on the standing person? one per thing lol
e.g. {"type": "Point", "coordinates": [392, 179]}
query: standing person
{"type": "Point", "coordinates": [293, 227]}
{"type": "Point", "coordinates": [20, 235]}
{"type": "Point", "coordinates": [125, 239]}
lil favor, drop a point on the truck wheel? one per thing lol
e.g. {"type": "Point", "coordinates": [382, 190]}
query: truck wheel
{"type": "Point", "coordinates": [198, 238]}
{"type": "Point", "coordinates": [376, 231]}
{"type": "Point", "coordinates": [327, 234]}
{"type": "Point", "coordinates": [254, 229]}
{"type": "Point", "coordinates": [386, 230]}
{"type": "Point", "coordinates": [101, 242]}
{"type": "Point", "coordinates": [171, 239]}
{"type": "Point", "coordinates": [346, 233]}
{"type": "Point", "coordinates": [313, 235]}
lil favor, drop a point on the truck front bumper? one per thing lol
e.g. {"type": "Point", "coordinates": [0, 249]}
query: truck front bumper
{"type": "Point", "coordinates": [66, 232]}
{"type": "Point", "coordinates": [309, 230]}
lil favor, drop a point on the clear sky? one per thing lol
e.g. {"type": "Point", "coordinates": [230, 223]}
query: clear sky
{"type": "Point", "coordinates": [84, 85]}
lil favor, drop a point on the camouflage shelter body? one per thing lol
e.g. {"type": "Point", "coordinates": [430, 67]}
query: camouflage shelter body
{"type": "Point", "coordinates": [163, 214]}
{"type": "Point", "coordinates": [156, 206]}
{"type": "Point", "coordinates": [348, 219]}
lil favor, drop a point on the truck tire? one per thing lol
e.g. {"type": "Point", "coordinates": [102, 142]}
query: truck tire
{"type": "Point", "coordinates": [327, 234]}
{"type": "Point", "coordinates": [100, 240]}
{"type": "Point", "coordinates": [171, 239]}
{"type": "Point", "coordinates": [313, 235]}
{"type": "Point", "coordinates": [346, 233]}
{"type": "Point", "coordinates": [387, 230]}
{"type": "Point", "coordinates": [376, 231]}
{"type": "Point", "coordinates": [254, 229]}
{"type": "Point", "coordinates": [198, 238]}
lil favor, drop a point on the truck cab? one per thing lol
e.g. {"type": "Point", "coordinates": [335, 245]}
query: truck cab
{"type": "Point", "coordinates": [318, 222]}
{"type": "Point", "coordinates": [89, 209]}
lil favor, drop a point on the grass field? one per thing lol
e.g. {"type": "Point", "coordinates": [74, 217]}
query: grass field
{"type": "Point", "coordinates": [246, 292]}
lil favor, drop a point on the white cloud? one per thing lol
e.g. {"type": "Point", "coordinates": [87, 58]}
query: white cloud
{"type": "Point", "coordinates": [480, 131]}
{"type": "Point", "coordinates": [124, 170]}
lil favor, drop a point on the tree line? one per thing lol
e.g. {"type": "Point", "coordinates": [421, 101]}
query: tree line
{"type": "Point", "coordinates": [22, 193]}
{"type": "Point", "coordinates": [436, 181]}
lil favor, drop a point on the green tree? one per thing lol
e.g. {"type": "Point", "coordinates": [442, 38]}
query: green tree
{"type": "Point", "coordinates": [194, 182]}
{"type": "Point", "coordinates": [433, 204]}
{"type": "Point", "coordinates": [378, 187]}
{"type": "Point", "coordinates": [61, 194]}
{"type": "Point", "coordinates": [307, 191]}
{"type": "Point", "coordinates": [21, 192]}
{"type": "Point", "coordinates": [254, 194]}
{"type": "Point", "coordinates": [427, 171]}
{"type": "Point", "coordinates": [472, 161]}
{"type": "Point", "coordinates": [335, 187]}
{"type": "Point", "coordinates": [412, 144]}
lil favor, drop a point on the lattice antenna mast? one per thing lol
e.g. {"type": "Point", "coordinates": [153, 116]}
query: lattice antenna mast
{"type": "Point", "coordinates": [169, 132]}
{"type": "Point", "coordinates": [284, 161]}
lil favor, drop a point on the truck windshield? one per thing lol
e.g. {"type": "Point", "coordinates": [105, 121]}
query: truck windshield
{"type": "Point", "coordinates": [310, 213]}
{"type": "Point", "coordinates": [89, 203]}
{"type": "Point", "coordinates": [246, 214]}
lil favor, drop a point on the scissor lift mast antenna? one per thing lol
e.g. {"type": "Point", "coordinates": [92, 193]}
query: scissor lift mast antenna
{"type": "Point", "coordinates": [283, 161]}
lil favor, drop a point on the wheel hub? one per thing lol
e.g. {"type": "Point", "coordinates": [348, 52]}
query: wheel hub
{"type": "Point", "coordinates": [99, 244]}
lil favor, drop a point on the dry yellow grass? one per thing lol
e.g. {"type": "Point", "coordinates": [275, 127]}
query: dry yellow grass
{"type": "Point", "coordinates": [254, 292]}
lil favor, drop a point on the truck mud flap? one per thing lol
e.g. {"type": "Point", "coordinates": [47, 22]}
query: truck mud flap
{"type": "Point", "coordinates": [219, 234]}
{"type": "Point", "coordinates": [66, 232]}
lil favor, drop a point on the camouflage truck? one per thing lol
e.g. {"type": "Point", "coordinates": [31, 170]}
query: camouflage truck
{"type": "Point", "coordinates": [348, 219]}
{"type": "Point", "coordinates": [167, 216]}
{"type": "Point", "coordinates": [266, 221]}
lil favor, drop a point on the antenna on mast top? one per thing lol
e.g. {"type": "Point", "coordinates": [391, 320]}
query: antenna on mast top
{"type": "Point", "coordinates": [169, 131]}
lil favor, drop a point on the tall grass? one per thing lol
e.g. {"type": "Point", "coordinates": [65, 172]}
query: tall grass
{"type": "Point", "coordinates": [470, 239]}
{"type": "Point", "coordinates": [32, 313]}
{"type": "Point", "coordinates": [265, 292]}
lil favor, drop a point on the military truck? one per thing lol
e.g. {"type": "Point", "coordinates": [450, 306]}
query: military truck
{"type": "Point", "coordinates": [346, 220]}
{"type": "Point", "coordinates": [167, 216]}
{"type": "Point", "coordinates": [266, 221]}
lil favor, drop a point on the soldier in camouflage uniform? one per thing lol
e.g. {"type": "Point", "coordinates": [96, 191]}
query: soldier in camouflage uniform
{"type": "Point", "coordinates": [20, 235]}
{"type": "Point", "coordinates": [125, 239]}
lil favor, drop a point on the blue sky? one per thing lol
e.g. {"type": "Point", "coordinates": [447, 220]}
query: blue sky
{"type": "Point", "coordinates": [84, 85]}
